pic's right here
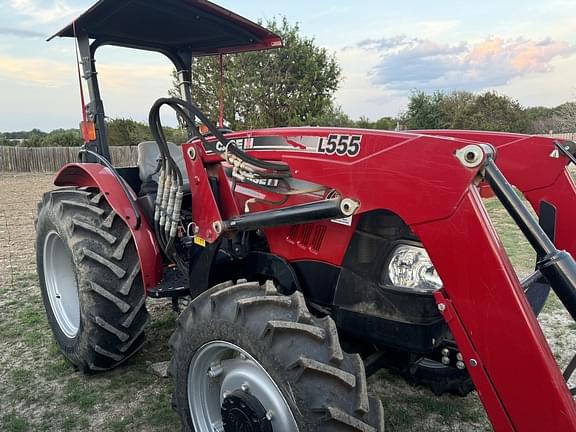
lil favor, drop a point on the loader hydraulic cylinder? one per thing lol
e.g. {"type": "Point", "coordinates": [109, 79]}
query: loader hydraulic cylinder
{"type": "Point", "coordinates": [320, 210]}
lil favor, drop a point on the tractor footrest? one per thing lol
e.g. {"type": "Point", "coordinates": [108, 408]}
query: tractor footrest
{"type": "Point", "coordinates": [173, 285]}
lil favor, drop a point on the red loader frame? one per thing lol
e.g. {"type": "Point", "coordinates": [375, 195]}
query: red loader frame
{"type": "Point", "coordinates": [482, 294]}
{"type": "Point", "coordinates": [482, 300]}
{"type": "Point", "coordinates": [419, 178]}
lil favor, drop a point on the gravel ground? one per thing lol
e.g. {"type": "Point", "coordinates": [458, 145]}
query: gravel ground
{"type": "Point", "coordinates": [40, 392]}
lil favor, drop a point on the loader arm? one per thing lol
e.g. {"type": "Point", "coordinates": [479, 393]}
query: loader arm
{"type": "Point", "coordinates": [423, 180]}
{"type": "Point", "coordinates": [534, 165]}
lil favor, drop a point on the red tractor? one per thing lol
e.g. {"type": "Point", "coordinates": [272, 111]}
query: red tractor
{"type": "Point", "coordinates": [312, 256]}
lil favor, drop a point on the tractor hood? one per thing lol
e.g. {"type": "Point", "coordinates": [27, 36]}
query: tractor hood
{"type": "Point", "coordinates": [170, 25]}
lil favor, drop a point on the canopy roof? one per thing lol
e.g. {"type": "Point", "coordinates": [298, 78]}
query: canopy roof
{"type": "Point", "coordinates": [171, 25]}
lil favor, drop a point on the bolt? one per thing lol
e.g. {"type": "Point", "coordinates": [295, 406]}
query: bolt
{"type": "Point", "coordinates": [242, 356]}
{"type": "Point", "coordinates": [441, 307]}
{"type": "Point", "coordinates": [269, 415]}
{"type": "Point", "coordinates": [245, 387]}
{"type": "Point", "coordinates": [473, 362]}
{"type": "Point", "coordinates": [215, 371]}
{"type": "Point", "coordinates": [445, 361]}
{"type": "Point", "coordinates": [459, 357]}
{"type": "Point", "coordinates": [445, 352]}
{"type": "Point", "coordinates": [460, 365]}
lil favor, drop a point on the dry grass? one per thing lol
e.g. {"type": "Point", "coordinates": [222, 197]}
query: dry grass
{"type": "Point", "coordinates": [40, 392]}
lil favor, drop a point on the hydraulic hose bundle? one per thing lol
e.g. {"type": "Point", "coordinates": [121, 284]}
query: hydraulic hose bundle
{"type": "Point", "coordinates": [170, 189]}
{"type": "Point", "coordinates": [170, 185]}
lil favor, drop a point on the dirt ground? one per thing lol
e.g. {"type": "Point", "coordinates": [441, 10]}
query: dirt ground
{"type": "Point", "coordinates": [39, 391]}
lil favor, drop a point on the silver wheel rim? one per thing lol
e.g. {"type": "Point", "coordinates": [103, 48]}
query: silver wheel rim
{"type": "Point", "coordinates": [219, 368]}
{"type": "Point", "coordinates": [61, 284]}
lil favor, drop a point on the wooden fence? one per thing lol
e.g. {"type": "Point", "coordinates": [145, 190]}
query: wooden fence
{"type": "Point", "coordinates": [565, 136]}
{"type": "Point", "coordinates": [51, 159]}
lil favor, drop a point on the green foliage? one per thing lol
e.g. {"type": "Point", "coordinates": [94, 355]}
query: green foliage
{"type": "Point", "coordinates": [424, 111]}
{"type": "Point", "coordinates": [384, 123]}
{"type": "Point", "coordinates": [121, 132]}
{"type": "Point", "coordinates": [464, 110]}
{"type": "Point", "coordinates": [289, 86]}
{"type": "Point", "coordinates": [540, 119]}
{"type": "Point", "coordinates": [126, 132]}
{"type": "Point", "coordinates": [334, 116]}
{"type": "Point", "coordinates": [56, 138]}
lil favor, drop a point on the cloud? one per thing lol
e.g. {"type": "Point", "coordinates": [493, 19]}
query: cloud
{"type": "Point", "coordinates": [8, 31]}
{"type": "Point", "coordinates": [55, 74]}
{"type": "Point", "coordinates": [40, 12]}
{"type": "Point", "coordinates": [408, 63]}
{"type": "Point", "coordinates": [35, 72]}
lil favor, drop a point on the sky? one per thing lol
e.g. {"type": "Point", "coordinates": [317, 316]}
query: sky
{"type": "Point", "coordinates": [525, 49]}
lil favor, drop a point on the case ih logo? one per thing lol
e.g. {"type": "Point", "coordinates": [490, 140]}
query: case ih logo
{"type": "Point", "coordinates": [242, 144]}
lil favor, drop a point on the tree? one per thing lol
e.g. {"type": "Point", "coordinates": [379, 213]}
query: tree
{"type": "Point", "coordinates": [56, 138]}
{"type": "Point", "coordinates": [127, 132]}
{"type": "Point", "coordinates": [465, 110]}
{"type": "Point", "coordinates": [289, 86]}
{"type": "Point", "coordinates": [566, 117]}
{"type": "Point", "coordinates": [334, 116]}
{"type": "Point", "coordinates": [541, 120]}
{"type": "Point", "coordinates": [496, 112]}
{"type": "Point", "coordinates": [386, 123]}
{"type": "Point", "coordinates": [424, 111]}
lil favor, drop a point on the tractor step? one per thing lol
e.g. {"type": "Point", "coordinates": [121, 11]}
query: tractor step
{"type": "Point", "coordinates": [173, 285]}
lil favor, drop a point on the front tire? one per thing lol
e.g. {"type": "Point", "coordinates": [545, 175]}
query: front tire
{"type": "Point", "coordinates": [90, 279]}
{"type": "Point", "coordinates": [248, 358]}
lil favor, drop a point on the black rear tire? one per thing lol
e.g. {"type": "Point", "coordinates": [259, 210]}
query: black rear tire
{"type": "Point", "coordinates": [106, 266]}
{"type": "Point", "coordinates": [324, 387]}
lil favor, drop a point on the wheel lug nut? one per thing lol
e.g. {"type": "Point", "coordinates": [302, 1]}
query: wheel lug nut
{"type": "Point", "coordinates": [245, 387]}
{"type": "Point", "coordinates": [269, 415]}
{"type": "Point", "coordinates": [460, 365]}
{"type": "Point", "coordinates": [215, 371]}
{"type": "Point", "coordinates": [445, 352]}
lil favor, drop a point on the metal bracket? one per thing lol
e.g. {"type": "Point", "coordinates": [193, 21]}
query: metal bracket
{"type": "Point", "coordinates": [568, 149]}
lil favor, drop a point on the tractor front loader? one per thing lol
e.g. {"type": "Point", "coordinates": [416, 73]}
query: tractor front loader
{"type": "Point", "coordinates": [312, 256]}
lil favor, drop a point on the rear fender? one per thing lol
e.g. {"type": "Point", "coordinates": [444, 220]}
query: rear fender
{"type": "Point", "coordinates": [100, 177]}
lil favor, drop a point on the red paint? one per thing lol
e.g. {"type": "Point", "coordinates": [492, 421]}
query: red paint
{"type": "Point", "coordinates": [205, 212]}
{"type": "Point", "coordinates": [100, 177]}
{"type": "Point", "coordinates": [526, 162]}
{"type": "Point", "coordinates": [496, 325]}
{"type": "Point", "coordinates": [419, 178]}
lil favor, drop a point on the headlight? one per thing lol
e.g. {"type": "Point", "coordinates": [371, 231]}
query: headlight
{"type": "Point", "coordinates": [410, 267]}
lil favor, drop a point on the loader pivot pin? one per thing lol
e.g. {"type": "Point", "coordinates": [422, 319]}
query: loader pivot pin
{"type": "Point", "coordinates": [470, 156]}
